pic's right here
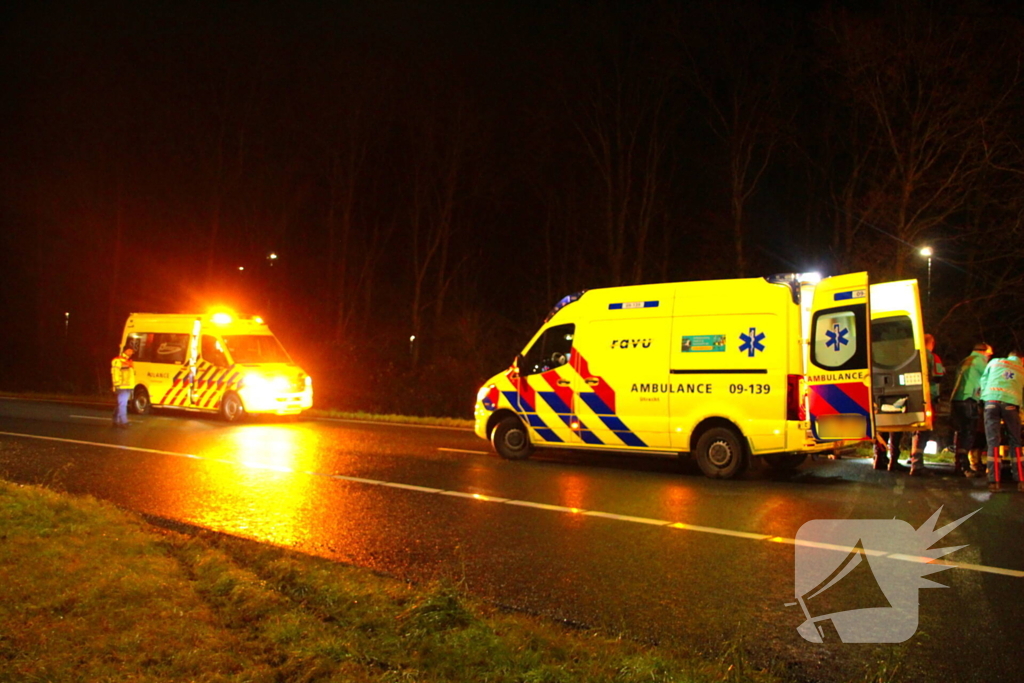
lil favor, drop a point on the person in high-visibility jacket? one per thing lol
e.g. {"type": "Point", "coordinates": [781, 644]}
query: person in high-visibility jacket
{"type": "Point", "coordinates": [122, 374]}
{"type": "Point", "coordinates": [1002, 388]}
{"type": "Point", "coordinates": [965, 405]}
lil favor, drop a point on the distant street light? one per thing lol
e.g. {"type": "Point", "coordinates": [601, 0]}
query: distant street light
{"type": "Point", "coordinates": [927, 253]}
{"type": "Point", "coordinates": [241, 267]}
{"type": "Point", "coordinates": [271, 257]}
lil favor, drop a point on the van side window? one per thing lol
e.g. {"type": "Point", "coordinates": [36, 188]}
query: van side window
{"type": "Point", "coordinates": [162, 348]}
{"type": "Point", "coordinates": [552, 349]}
{"type": "Point", "coordinates": [213, 351]}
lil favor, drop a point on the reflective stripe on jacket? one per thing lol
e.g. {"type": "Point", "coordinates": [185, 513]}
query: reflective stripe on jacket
{"type": "Point", "coordinates": [122, 373]}
{"type": "Point", "coordinates": [1003, 380]}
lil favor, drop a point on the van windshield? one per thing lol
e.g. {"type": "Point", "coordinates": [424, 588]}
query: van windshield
{"type": "Point", "coordinates": [256, 348]}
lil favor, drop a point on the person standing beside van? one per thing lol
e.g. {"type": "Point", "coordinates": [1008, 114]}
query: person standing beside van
{"type": "Point", "coordinates": [1002, 387]}
{"type": "Point", "coordinates": [122, 373]}
{"type": "Point", "coordinates": [965, 409]}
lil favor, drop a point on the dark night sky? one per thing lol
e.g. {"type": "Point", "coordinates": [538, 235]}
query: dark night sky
{"type": "Point", "coordinates": [453, 168]}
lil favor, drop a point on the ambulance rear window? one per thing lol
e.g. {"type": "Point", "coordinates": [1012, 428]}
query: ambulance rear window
{"type": "Point", "coordinates": [892, 342]}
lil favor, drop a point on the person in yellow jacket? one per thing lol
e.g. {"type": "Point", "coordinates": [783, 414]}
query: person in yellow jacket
{"type": "Point", "coordinates": [122, 373]}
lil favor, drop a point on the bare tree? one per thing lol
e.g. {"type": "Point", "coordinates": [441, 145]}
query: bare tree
{"type": "Point", "coordinates": [743, 90]}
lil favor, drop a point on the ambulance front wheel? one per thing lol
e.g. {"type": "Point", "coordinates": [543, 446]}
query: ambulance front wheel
{"type": "Point", "coordinates": [511, 440]}
{"type": "Point", "coordinates": [141, 405]}
{"type": "Point", "coordinates": [720, 453]}
{"type": "Point", "coordinates": [231, 408]}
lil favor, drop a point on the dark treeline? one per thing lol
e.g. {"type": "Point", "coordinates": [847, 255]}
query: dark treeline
{"type": "Point", "coordinates": [447, 171]}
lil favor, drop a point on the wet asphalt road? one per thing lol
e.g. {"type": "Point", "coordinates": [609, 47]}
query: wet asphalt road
{"type": "Point", "coordinates": [552, 535]}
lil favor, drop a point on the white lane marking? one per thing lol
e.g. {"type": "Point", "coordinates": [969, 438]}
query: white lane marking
{"type": "Point", "coordinates": [390, 424]}
{"type": "Point", "coordinates": [89, 417]}
{"type": "Point", "coordinates": [463, 450]}
{"type": "Point", "coordinates": [553, 508]}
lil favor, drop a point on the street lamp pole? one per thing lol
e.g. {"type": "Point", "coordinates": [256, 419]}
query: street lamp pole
{"type": "Point", "coordinates": [927, 253]}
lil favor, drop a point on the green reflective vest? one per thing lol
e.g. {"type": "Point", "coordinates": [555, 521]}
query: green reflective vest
{"type": "Point", "coordinates": [968, 378]}
{"type": "Point", "coordinates": [1003, 380]}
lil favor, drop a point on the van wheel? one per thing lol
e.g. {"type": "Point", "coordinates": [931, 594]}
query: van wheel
{"type": "Point", "coordinates": [511, 440]}
{"type": "Point", "coordinates": [720, 453]}
{"type": "Point", "coordinates": [140, 403]}
{"type": "Point", "coordinates": [231, 408]}
{"type": "Point", "coordinates": [785, 461]}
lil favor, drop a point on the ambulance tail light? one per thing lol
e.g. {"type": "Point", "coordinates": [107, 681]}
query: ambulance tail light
{"type": "Point", "coordinates": [796, 408]}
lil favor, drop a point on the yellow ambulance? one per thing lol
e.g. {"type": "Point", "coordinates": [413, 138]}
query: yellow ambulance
{"type": "Point", "coordinates": [215, 362]}
{"type": "Point", "coordinates": [773, 367]}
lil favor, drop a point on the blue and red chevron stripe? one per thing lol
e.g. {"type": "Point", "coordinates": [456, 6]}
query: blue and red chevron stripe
{"type": "Point", "coordinates": [848, 398]}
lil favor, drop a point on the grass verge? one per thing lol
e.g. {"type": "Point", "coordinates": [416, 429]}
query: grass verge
{"type": "Point", "coordinates": [92, 593]}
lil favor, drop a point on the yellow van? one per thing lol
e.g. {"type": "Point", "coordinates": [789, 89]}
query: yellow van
{"type": "Point", "coordinates": [217, 362]}
{"type": "Point", "coordinates": [773, 367]}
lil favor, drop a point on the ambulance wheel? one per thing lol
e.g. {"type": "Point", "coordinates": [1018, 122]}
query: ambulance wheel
{"type": "Point", "coordinates": [720, 453]}
{"type": "Point", "coordinates": [140, 404]}
{"type": "Point", "coordinates": [511, 440]}
{"type": "Point", "coordinates": [231, 408]}
{"type": "Point", "coordinates": [785, 461]}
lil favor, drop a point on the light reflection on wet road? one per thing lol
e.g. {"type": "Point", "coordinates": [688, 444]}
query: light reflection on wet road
{"type": "Point", "coordinates": [278, 483]}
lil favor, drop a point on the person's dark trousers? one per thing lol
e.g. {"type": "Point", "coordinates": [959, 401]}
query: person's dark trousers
{"type": "Point", "coordinates": [887, 458]}
{"type": "Point", "coordinates": [964, 417]}
{"type": "Point", "coordinates": [997, 412]}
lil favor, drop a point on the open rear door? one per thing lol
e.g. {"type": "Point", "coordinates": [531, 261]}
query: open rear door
{"type": "Point", "coordinates": [839, 363]}
{"type": "Point", "coordinates": [899, 365]}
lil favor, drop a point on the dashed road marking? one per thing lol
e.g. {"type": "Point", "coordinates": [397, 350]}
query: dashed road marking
{"type": "Point", "coordinates": [746, 535]}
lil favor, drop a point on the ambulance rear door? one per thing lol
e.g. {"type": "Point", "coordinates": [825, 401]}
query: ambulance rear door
{"type": "Point", "coordinates": [899, 365]}
{"type": "Point", "coordinates": [839, 363]}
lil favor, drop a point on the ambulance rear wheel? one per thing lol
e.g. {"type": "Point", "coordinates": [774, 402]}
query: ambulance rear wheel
{"type": "Point", "coordinates": [511, 440]}
{"type": "Point", "coordinates": [141, 405]}
{"type": "Point", "coordinates": [720, 453]}
{"type": "Point", "coordinates": [231, 408]}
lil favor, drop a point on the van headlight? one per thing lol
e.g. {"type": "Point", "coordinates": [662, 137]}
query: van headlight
{"type": "Point", "coordinates": [484, 390]}
{"type": "Point", "coordinates": [256, 382]}
{"type": "Point", "coordinates": [309, 382]}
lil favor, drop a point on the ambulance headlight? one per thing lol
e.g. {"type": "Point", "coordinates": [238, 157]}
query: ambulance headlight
{"type": "Point", "coordinates": [484, 390]}
{"type": "Point", "coordinates": [309, 382]}
{"type": "Point", "coordinates": [256, 382]}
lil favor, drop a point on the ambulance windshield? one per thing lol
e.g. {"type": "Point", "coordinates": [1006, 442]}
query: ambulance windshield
{"type": "Point", "coordinates": [256, 348]}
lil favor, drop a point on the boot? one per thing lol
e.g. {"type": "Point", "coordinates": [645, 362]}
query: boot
{"type": "Point", "coordinates": [960, 466]}
{"type": "Point", "coordinates": [881, 461]}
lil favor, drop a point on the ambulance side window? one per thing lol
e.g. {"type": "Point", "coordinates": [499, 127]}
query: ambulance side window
{"type": "Point", "coordinates": [840, 336]}
{"type": "Point", "coordinates": [213, 351]}
{"type": "Point", "coordinates": [552, 349]}
{"type": "Point", "coordinates": [167, 348]}
{"type": "Point", "coordinates": [145, 351]}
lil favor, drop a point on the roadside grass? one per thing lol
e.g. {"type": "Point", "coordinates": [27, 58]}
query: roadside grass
{"type": "Point", "coordinates": [93, 593]}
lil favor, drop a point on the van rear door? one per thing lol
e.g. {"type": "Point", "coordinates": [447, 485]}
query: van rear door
{"type": "Point", "coordinates": [839, 363]}
{"type": "Point", "coordinates": [899, 367]}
